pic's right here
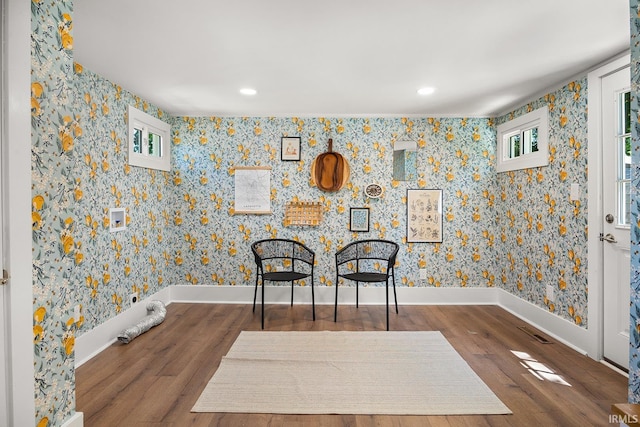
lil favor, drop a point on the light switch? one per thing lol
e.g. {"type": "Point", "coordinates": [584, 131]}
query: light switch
{"type": "Point", "coordinates": [575, 192]}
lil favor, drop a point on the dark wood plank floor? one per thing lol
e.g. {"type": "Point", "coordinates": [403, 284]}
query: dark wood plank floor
{"type": "Point", "coordinates": [156, 379]}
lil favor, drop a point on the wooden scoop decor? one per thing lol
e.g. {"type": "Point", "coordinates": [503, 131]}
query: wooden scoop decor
{"type": "Point", "coordinates": [330, 170]}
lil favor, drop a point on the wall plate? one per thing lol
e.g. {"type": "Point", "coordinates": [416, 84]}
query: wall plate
{"type": "Point", "coordinates": [373, 191]}
{"type": "Point", "coordinates": [117, 219]}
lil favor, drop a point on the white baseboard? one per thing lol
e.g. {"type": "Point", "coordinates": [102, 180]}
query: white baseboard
{"type": "Point", "coordinates": [76, 420]}
{"type": "Point", "coordinates": [325, 295]}
{"type": "Point", "coordinates": [555, 326]}
{"type": "Point", "coordinates": [94, 341]}
{"type": "Point", "coordinates": [220, 294]}
{"type": "Point", "coordinates": [102, 336]}
{"type": "Point", "coordinates": [446, 296]}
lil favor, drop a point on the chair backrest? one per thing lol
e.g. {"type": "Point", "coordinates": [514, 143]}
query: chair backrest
{"type": "Point", "coordinates": [272, 249]}
{"type": "Point", "coordinates": [382, 250]}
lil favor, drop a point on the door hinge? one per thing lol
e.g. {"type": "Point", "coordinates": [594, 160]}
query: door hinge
{"type": "Point", "coordinates": [5, 277]}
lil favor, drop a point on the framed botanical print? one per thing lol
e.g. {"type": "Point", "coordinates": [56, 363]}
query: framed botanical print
{"type": "Point", "coordinates": [290, 148]}
{"type": "Point", "coordinates": [424, 216]}
{"type": "Point", "coordinates": [359, 219]}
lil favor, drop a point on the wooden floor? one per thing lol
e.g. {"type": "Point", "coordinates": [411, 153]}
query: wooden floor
{"type": "Point", "coordinates": [156, 379]}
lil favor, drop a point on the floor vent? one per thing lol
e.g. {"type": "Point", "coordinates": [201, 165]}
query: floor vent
{"type": "Point", "coordinates": [534, 334]}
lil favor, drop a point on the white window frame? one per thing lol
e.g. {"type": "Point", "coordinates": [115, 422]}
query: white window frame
{"type": "Point", "coordinates": [149, 124]}
{"type": "Point", "coordinates": [622, 196]}
{"type": "Point", "coordinates": [535, 119]}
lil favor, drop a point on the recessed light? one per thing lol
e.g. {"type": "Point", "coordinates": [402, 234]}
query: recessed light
{"type": "Point", "coordinates": [248, 91]}
{"type": "Point", "coordinates": [426, 90]}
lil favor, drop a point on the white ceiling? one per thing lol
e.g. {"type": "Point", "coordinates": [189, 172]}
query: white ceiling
{"type": "Point", "coordinates": [345, 57]}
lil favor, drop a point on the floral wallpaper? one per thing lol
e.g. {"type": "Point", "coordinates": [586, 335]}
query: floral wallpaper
{"type": "Point", "coordinates": [192, 206]}
{"type": "Point", "coordinates": [515, 230]}
{"type": "Point", "coordinates": [56, 252]}
{"type": "Point", "coordinates": [212, 245]}
{"type": "Point", "coordinates": [121, 263]}
{"type": "Point", "coordinates": [634, 344]}
{"type": "Point", "coordinates": [543, 233]}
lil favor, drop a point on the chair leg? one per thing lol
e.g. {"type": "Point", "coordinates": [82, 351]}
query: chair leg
{"type": "Point", "coordinates": [262, 316]}
{"type": "Point", "coordinates": [255, 294]}
{"type": "Point", "coordinates": [292, 293]}
{"type": "Point", "coordinates": [335, 313]}
{"type": "Point", "coordinates": [395, 297]}
{"type": "Point", "coordinates": [313, 301]}
{"type": "Point", "coordinates": [357, 296]}
{"type": "Point", "coordinates": [386, 294]}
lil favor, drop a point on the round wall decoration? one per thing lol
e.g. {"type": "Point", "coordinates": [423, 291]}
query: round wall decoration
{"type": "Point", "coordinates": [373, 191]}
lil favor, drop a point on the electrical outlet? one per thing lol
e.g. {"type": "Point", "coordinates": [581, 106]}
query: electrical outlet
{"type": "Point", "coordinates": [550, 296]}
{"type": "Point", "coordinates": [77, 312]}
{"type": "Point", "coordinates": [423, 274]}
{"type": "Point", "coordinates": [133, 298]}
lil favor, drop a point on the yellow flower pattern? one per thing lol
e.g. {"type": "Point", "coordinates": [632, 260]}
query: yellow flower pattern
{"type": "Point", "coordinates": [511, 230]}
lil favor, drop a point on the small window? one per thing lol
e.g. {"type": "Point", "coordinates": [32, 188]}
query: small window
{"type": "Point", "coordinates": [148, 141]}
{"type": "Point", "coordinates": [623, 144]}
{"type": "Point", "coordinates": [522, 142]}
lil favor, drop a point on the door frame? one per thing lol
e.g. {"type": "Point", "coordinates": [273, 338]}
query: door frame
{"type": "Point", "coordinates": [595, 207]}
{"type": "Point", "coordinates": [16, 210]}
{"type": "Point", "coordinates": [4, 381]}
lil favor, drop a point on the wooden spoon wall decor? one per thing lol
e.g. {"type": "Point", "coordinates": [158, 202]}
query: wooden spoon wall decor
{"type": "Point", "coordinates": [330, 170]}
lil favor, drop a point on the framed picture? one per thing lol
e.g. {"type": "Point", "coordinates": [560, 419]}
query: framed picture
{"type": "Point", "coordinates": [252, 190]}
{"type": "Point", "coordinates": [424, 216]}
{"type": "Point", "coordinates": [290, 148]}
{"type": "Point", "coordinates": [359, 219]}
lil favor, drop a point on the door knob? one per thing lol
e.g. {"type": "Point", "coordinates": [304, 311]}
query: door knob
{"type": "Point", "coordinates": [609, 238]}
{"type": "Point", "coordinates": [609, 218]}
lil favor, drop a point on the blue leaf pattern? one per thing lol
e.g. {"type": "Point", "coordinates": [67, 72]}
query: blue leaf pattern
{"type": "Point", "coordinates": [515, 230]}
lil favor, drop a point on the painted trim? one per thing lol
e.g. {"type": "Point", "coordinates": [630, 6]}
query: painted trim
{"type": "Point", "coordinates": [537, 119]}
{"type": "Point", "coordinates": [138, 119]}
{"type": "Point", "coordinates": [99, 338]}
{"type": "Point", "coordinates": [595, 220]}
{"type": "Point", "coordinates": [76, 420]}
{"type": "Point", "coordinates": [16, 169]}
{"type": "Point", "coordinates": [94, 341]}
{"type": "Point", "coordinates": [222, 294]}
{"type": "Point", "coordinates": [326, 295]}
{"type": "Point", "coordinates": [560, 329]}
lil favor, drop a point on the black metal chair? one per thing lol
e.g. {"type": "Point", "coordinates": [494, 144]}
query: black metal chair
{"type": "Point", "coordinates": [282, 260]}
{"type": "Point", "coordinates": [367, 261]}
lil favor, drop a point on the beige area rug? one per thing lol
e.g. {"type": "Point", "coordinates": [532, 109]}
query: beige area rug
{"type": "Point", "coordinates": [399, 373]}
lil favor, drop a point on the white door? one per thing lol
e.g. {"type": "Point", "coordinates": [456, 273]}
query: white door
{"type": "Point", "coordinates": [616, 170]}
{"type": "Point", "coordinates": [16, 312]}
{"type": "Point", "coordinates": [4, 351]}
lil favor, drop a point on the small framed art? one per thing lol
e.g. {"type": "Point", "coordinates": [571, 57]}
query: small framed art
{"type": "Point", "coordinates": [290, 148]}
{"type": "Point", "coordinates": [424, 216]}
{"type": "Point", "coordinates": [359, 219]}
